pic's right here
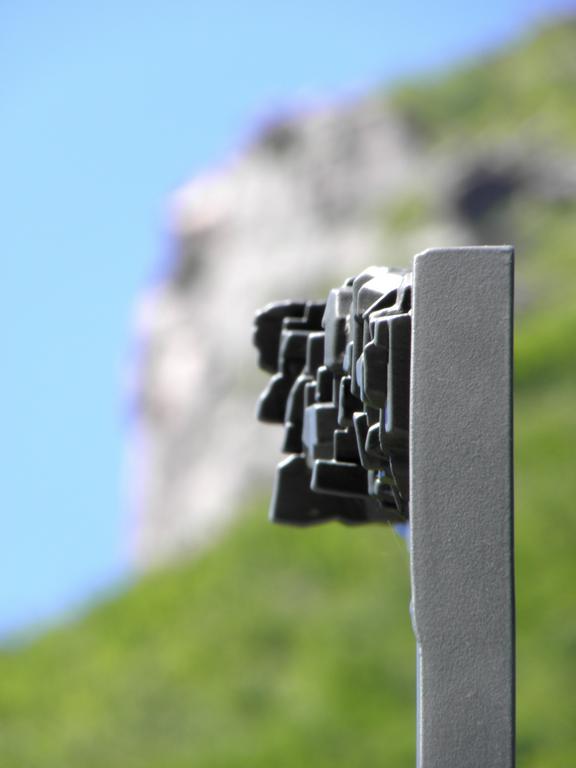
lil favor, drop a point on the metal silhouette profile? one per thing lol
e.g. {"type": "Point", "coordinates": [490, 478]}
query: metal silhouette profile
{"type": "Point", "coordinates": [396, 399]}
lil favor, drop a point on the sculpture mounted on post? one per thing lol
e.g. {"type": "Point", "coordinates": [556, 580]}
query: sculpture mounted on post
{"type": "Point", "coordinates": [396, 398]}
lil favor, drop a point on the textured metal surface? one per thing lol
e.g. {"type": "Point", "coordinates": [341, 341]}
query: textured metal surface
{"type": "Point", "coordinates": [461, 507]}
{"type": "Point", "coordinates": [340, 386]}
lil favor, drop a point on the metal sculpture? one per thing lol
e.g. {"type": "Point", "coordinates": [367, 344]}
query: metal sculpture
{"type": "Point", "coordinates": [396, 397]}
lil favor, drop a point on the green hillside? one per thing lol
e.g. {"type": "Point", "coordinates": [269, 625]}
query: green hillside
{"type": "Point", "coordinates": [289, 648]}
{"type": "Point", "coordinates": [526, 87]}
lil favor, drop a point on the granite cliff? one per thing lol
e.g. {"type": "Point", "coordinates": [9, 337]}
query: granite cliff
{"type": "Point", "coordinates": [316, 197]}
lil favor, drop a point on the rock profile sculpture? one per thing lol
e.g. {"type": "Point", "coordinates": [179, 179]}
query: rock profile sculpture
{"type": "Point", "coordinates": [396, 400]}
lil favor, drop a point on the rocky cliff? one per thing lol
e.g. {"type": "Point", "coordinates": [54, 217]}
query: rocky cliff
{"type": "Point", "coordinates": [315, 198]}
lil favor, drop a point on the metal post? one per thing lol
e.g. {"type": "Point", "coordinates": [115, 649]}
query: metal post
{"type": "Point", "coordinates": [461, 507]}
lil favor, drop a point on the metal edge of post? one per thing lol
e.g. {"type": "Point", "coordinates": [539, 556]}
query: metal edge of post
{"type": "Point", "coordinates": [461, 506]}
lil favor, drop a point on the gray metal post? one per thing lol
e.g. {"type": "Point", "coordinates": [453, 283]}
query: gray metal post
{"type": "Point", "coordinates": [396, 397]}
{"type": "Point", "coordinates": [461, 507]}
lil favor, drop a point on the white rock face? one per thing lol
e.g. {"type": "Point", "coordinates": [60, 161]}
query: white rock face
{"type": "Point", "coordinates": [298, 212]}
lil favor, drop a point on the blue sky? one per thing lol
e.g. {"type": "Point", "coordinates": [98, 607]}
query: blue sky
{"type": "Point", "coordinates": [105, 108]}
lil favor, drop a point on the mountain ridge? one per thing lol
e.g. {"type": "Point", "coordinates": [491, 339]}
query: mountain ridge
{"type": "Point", "coordinates": [277, 646]}
{"type": "Point", "coordinates": [313, 199]}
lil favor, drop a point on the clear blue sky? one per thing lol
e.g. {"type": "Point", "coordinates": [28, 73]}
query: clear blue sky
{"type": "Point", "coordinates": [106, 107]}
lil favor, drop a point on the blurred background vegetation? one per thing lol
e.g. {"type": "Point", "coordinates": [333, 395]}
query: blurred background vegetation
{"type": "Point", "coordinates": [278, 647]}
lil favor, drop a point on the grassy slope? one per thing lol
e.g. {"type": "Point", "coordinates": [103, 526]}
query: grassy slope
{"type": "Point", "coordinates": [291, 648]}
{"type": "Point", "coordinates": [278, 646]}
{"type": "Point", "coordinates": [527, 88]}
